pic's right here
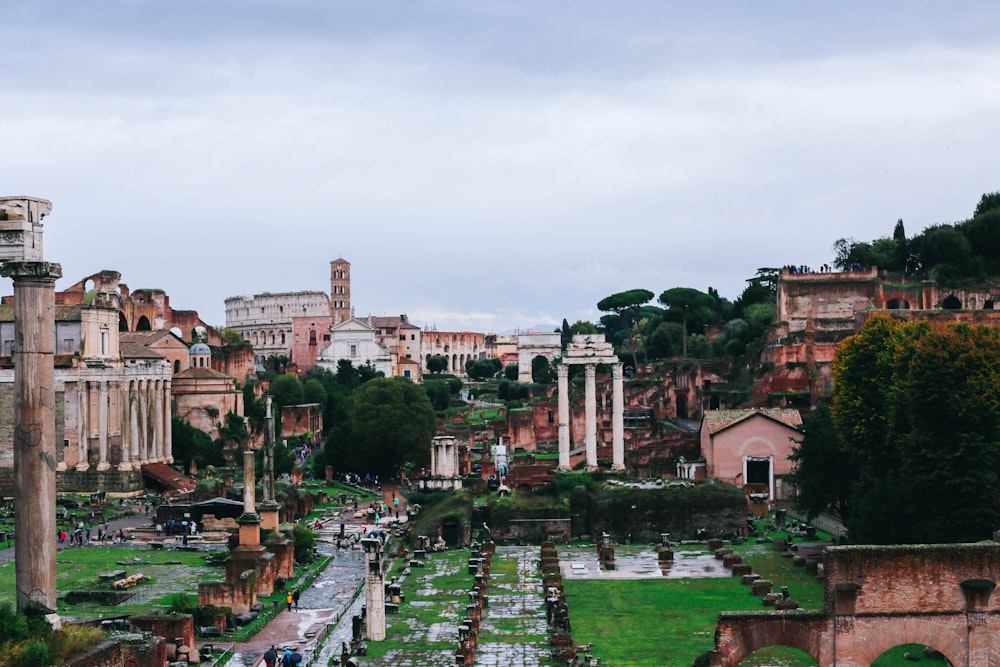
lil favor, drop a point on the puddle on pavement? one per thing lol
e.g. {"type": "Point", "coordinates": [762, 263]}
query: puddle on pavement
{"type": "Point", "coordinates": [580, 563]}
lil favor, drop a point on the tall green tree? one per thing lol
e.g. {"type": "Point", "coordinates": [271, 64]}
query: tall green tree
{"type": "Point", "coordinates": [392, 423]}
{"type": "Point", "coordinates": [917, 416]}
{"type": "Point", "coordinates": [626, 305]}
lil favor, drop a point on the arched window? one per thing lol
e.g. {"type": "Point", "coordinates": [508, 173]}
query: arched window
{"type": "Point", "coordinates": [122, 322]}
{"type": "Point", "coordinates": [143, 324]}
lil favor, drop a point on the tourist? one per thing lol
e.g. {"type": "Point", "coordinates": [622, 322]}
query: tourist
{"type": "Point", "coordinates": [295, 597]}
{"type": "Point", "coordinates": [286, 658]}
{"type": "Point", "coordinates": [289, 600]}
{"type": "Point", "coordinates": [270, 656]}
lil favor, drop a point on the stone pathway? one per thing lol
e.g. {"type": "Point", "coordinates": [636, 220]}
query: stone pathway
{"type": "Point", "coordinates": [513, 631]}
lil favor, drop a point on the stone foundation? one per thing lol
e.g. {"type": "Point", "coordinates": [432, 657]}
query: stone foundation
{"type": "Point", "coordinates": [138, 650]}
{"type": "Point", "coordinates": [117, 482]}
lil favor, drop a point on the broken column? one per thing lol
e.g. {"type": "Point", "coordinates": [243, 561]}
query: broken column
{"type": "Point", "coordinates": [35, 451]}
{"type": "Point", "coordinates": [374, 589]}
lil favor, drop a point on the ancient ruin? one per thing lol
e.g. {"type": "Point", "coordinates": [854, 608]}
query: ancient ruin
{"type": "Point", "coordinates": [588, 350]}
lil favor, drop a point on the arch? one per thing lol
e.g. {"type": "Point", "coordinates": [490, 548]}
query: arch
{"type": "Point", "coordinates": [454, 363]}
{"type": "Point", "coordinates": [910, 630]}
{"type": "Point", "coordinates": [177, 332]}
{"type": "Point", "coordinates": [748, 635]}
{"type": "Point", "coordinates": [952, 302]}
{"type": "Point", "coordinates": [898, 304]}
{"type": "Point", "coordinates": [143, 324]}
{"type": "Point", "coordinates": [122, 322]}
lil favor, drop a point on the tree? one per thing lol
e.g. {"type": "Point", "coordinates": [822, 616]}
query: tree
{"type": "Point", "coordinates": [541, 371]}
{"type": "Point", "coordinates": [823, 474]}
{"type": "Point", "coordinates": [511, 372]}
{"type": "Point", "coordinates": [916, 414]}
{"type": "Point", "coordinates": [437, 364]}
{"type": "Point", "coordinates": [313, 391]}
{"type": "Point", "coordinates": [693, 308]}
{"type": "Point", "coordinates": [437, 393]}
{"type": "Point", "coordinates": [392, 423]}
{"type": "Point", "coordinates": [626, 306]}
{"type": "Point", "coordinates": [192, 444]}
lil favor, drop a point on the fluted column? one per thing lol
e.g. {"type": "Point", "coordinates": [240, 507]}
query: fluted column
{"type": "Point", "coordinates": [562, 373]}
{"type": "Point", "coordinates": [617, 418]}
{"type": "Point", "coordinates": [133, 424]}
{"type": "Point", "coordinates": [34, 432]}
{"type": "Point", "coordinates": [590, 414]}
{"type": "Point", "coordinates": [126, 462]}
{"type": "Point", "coordinates": [141, 405]}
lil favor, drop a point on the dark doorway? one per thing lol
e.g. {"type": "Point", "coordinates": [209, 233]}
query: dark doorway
{"type": "Point", "coordinates": [951, 303]}
{"type": "Point", "coordinates": [682, 407]}
{"type": "Point", "coordinates": [759, 471]}
{"type": "Point", "coordinates": [449, 532]}
{"type": "Point", "coordinates": [898, 304]}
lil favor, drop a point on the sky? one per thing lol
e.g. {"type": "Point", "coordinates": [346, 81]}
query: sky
{"type": "Point", "coordinates": [488, 166]}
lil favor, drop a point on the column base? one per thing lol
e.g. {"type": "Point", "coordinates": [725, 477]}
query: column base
{"type": "Point", "coordinates": [563, 469]}
{"type": "Point", "coordinates": [103, 466]}
{"type": "Point", "coordinates": [125, 466]}
{"type": "Point", "coordinates": [82, 467]}
{"type": "Point", "coordinates": [593, 468]}
{"type": "Point", "coordinates": [618, 466]}
{"type": "Point", "coordinates": [61, 466]}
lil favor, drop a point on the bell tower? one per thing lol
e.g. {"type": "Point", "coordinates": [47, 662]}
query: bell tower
{"type": "Point", "coordinates": [340, 290]}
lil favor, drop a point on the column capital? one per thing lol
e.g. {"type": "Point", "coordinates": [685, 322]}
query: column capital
{"type": "Point", "coordinates": [40, 271]}
{"type": "Point", "coordinates": [562, 370]}
{"type": "Point", "coordinates": [617, 371]}
{"type": "Point", "coordinates": [590, 370]}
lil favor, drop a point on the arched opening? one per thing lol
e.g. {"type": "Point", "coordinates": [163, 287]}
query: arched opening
{"type": "Point", "coordinates": [199, 334]}
{"type": "Point", "coordinates": [898, 304]}
{"type": "Point", "coordinates": [777, 655]}
{"type": "Point", "coordinates": [177, 366]}
{"type": "Point", "coordinates": [122, 322]}
{"type": "Point", "coordinates": [682, 407]}
{"type": "Point", "coordinates": [177, 332]}
{"type": "Point", "coordinates": [904, 653]}
{"type": "Point", "coordinates": [951, 303]}
{"type": "Point", "coordinates": [143, 324]}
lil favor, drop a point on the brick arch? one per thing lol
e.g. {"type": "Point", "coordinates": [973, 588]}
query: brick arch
{"type": "Point", "coordinates": [891, 632]}
{"type": "Point", "coordinates": [740, 634]}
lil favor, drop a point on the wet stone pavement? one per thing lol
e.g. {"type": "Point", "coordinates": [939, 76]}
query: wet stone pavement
{"type": "Point", "coordinates": [513, 631]}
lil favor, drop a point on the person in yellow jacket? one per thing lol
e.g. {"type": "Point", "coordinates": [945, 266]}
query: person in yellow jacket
{"type": "Point", "coordinates": [288, 600]}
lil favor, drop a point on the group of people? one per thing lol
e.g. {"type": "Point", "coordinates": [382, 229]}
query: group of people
{"type": "Point", "coordinates": [82, 534]}
{"type": "Point", "coordinates": [175, 527]}
{"type": "Point", "coordinates": [288, 658]}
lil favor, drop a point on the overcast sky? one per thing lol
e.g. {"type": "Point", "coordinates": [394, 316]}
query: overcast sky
{"type": "Point", "coordinates": [488, 166]}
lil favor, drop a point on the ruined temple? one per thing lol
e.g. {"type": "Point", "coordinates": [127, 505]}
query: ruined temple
{"type": "Point", "coordinates": [815, 311]}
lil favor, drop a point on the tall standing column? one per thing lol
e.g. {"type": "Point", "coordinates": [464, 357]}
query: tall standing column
{"type": "Point", "coordinates": [34, 432]}
{"type": "Point", "coordinates": [168, 440]}
{"type": "Point", "coordinates": [374, 589]}
{"type": "Point", "coordinates": [102, 425]}
{"type": "Point", "coordinates": [269, 508]}
{"type": "Point", "coordinates": [617, 418]}
{"type": "Point", "coordinates": [82, 428]}
{"type": "Point", "coordinates": [158, 431]}
{"type": "Point", "coordinates": [590, 414]}
{"type": "Point", "coordinates": [562, 373]}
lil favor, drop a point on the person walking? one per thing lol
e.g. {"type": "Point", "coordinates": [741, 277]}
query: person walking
{"type": "Point", "coordinates": [295, 597]}
{"type": "Point", "coordinates": [270, 656]}
{"type": "Point", "coordinates": [288, 600]}
{"type": "Point", "coordinates": [286, 657]}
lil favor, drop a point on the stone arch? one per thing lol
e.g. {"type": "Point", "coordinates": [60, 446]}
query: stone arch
{"type": "Point", "coordinates": [122, 322]}
{"type": "Point", "coordinates": [898, 304]}
{"type": "Point", "coordinates": [910, 630]}
{"type": "Point", "coordinates": [951, 302]}
{"type": "Point", "coordinates": [143, 324]}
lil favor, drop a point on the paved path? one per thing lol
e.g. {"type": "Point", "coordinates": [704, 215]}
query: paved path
{"type": "Point", "coordinates": [127, 523]}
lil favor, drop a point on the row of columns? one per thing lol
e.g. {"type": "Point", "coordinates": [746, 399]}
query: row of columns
{"type": "Point", "coordinates": [145, 421]}
{"type": "Point", "coordinates": [590, 415]}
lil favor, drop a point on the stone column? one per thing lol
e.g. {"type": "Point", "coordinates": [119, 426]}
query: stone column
{"type": "Point", "coordinates": [158, 438]}
{"type": "Point", "coordinates": [82, 427]}
{"type": "Point", "coordinates": [102, 425]}
{"type": "Point", "coordinates": [34, 432]}
{"type": "Point", "coordinates": [168, 441]}
{"type": "Point", "coordinates": [590, 414]}
{"type": "Point", "coordinates": [249, 521]}
{"type": "Point", "coordinates": [133, 424]}
{"type": "Point", "coordinates": [126, 462]}
{"type": "Point", "coordinates": [269, 508]}
{"type": "Point", "coordinates": [374, 590]}
{"type": "Point", "coordinates": [562, 373]}
{"type": "Point", "coordinates": [617, 417]}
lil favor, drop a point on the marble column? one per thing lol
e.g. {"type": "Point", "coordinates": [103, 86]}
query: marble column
{"type": "Point", "coordinates": [34, 432]}
{"type": "Point", "coordinates": [374, 590]}
{"type": "Point", "coordinates": [126, 460]}
{"type": "Point", "coordinates": [617, 418]}
{"type": "Point", "coordinates": [562, 372]}
{"type": "Point", "coordinates": [590, 414]}
{"type": "Point", "coordinates": [168, 441]}
{"type": "Point", "coordinates": [102, 425]}
{"type": "Point", "coordinates": [158, 438]}
{"type": "Point", "coordinates": [249, 521]}
{"type": "Point", "coordinates": [82, 427]}
{"type": "Point", "coordinates": [269, 508]}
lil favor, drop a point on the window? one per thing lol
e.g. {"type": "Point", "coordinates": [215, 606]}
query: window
{"type": "Point", "coordinates": [406, 373]}
{"type": "Point", "coordinates": [637, 418]}
{"type": "Point", "coordinates": [326, 337]}
{"type": "Point", "coordinates": [413, 336]}
{"type": "Point", "coordinates": [177, 366]}
{"type": "Point", "coordinates": [354, 350]}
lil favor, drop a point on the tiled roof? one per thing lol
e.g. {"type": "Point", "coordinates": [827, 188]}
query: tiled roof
{"type": "Point", "coordinates": [63, 313]}
{"type": "Point", "coordinates": [137, 351]}
{"type": "Point", "coordinates": [717, 420]}
{"type": "Point", "coordinates": [200, 374]}
{"type": "Point", "coordinates": [144, 337]}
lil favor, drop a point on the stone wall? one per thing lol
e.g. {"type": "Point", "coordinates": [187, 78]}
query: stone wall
{"type": "Point", "coordinates": [124, 651]}
{"type": "Point", "coordinates": [123, 482]}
